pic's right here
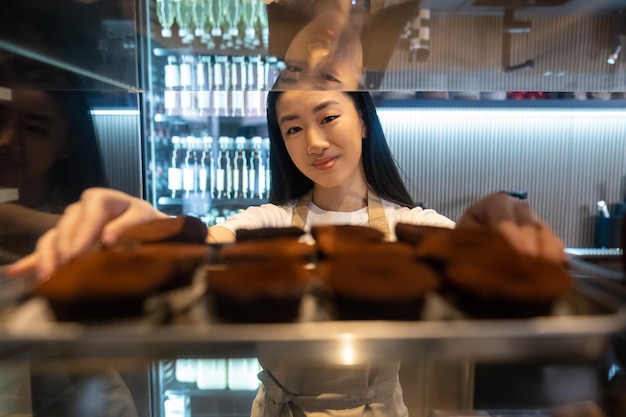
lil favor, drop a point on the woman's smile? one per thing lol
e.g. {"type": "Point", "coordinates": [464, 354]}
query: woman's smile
{"type": "Point", "coordinates": [326, 163]}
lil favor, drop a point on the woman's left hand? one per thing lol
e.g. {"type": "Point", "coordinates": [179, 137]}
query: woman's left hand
{"type": "Point", "coordinates": [516, 221]}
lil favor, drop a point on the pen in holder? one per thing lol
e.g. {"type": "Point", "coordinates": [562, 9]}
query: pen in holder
{"type": "Point", "coordinates": [608, 232]}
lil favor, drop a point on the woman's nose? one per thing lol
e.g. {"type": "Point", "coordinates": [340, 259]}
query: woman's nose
{"type": "Point", "coordinates": [316, 54]}
{"type": "Point", "coordinates": [8, 137]}
{"type": "Point", "coordinates": [316, 141]}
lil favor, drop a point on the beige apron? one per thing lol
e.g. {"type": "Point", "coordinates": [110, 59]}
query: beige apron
{"type": "Point", "coordinates": [320, 390]}
{"type": "Point", "coordinates": [375, 212]}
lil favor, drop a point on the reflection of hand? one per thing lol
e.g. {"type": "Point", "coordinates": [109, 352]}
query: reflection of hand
{"type": "Point", "coordinates": [20, 227]}
{"type": "Point", "coordinates": [99, 217]}
{"type": "Point", "coordinates": [519, 225]}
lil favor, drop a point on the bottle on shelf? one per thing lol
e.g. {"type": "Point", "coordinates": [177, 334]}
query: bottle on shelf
{"type": "Point", "coordinates": [166, 13]}
{"type": "Point", "coordinates": [183, 19]}
{"type": "Point", "coordinates": [272, 71]}
{"type": "Point", "coordinates": [266, 161]}
{"type": "Point", "coordinates": [233, 17]}
{"type": "Point", "coordinates": [186, 370]}
{"type": "Point", "coordinates": [240, 169]}
{"type": "Point", "coordinates": [204, 79]}
{"type": "Point", "coordinates": [256, 171]}
{"type": "Point", "coordinates": [237, 82]}
{"type": "Point", "coordinates": [262, 22]}
{"type": "Point", "coordinates": [172, 85]}
{"type": "Point", "coordinates": [253, 102]}
{"type": "Point", "coordinates": [212, 374]}
{"type": "Point", "coordinates": [217, 17]}
{"type": "Point", "coordinates": [223, 171]}
{"type": "Point", "coordinates": [196, 176]}
{"type": "Point", "coordinates": [210, 24]}
{"type": "Point", "coordinates": [242, 373]}
{"type": "Point", "coordinates": [198, 16]}
{"type": "Point", "coordinates": [248, 16]}
{"type": "Point", "coordinates": [206, 172]}
{"type": "Point", "coordinates": [190, 166]}
{"type": "Point", "coordinates": [229, 167]}
{"type": "Point", "coordinates": [186, 85]}
{"type": "Point", "coordinates": [174, 172]}
{"type": "Point", "coordinates": [221, 80]}
{"type": "Point", "coordinates": [176, 403]}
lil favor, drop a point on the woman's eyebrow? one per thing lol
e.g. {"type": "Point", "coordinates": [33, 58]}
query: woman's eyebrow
{"type": "Point", "coordinates": [319, 107]}
{"type": "Point", "coordinates": [40, 118]}
{"type": "Point", "coordinates": [323, 105]}
{"type": "Point", "coordinates": [287, 118]}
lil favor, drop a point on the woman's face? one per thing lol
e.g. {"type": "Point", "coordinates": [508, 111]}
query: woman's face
{"type": "Point", "coordinates": [33, 136]}
{"type": "Point", "coordinates": [325, 55]}
{"type": "Point", "coordinates": [323, 133]}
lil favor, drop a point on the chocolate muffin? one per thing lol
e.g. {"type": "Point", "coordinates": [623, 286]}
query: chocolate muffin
{"type": "Point", "coordinates": [413, 233]}
{"type": "Point", "coordinates": [278, 248]}
{"type": "Point", "coordinates": [264, 291]}
{"type": "Point", "coordinates": [377, 281]}
{"type": "Point", "coordinates": [180, 229]}
{"type": "Point", "coordinates": [260, 279]}
{"type": "Point", "coordinates": [113, 284]}
{"type": "Point", "coordinates": [266, 233]}
{"type": "Point", "coordinates": [486, 278]}
{"type": "Point", "coordinates": [333, 240]}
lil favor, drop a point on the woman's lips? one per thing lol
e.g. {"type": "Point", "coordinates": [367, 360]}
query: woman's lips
{"type": "Point", "coordinates": [324, 164]}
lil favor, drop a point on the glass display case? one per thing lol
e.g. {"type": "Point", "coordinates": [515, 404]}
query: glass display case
{"type": "Point", "coordinates": [208, 148]}
{"type": "Point", "coordinates": [468, 91]}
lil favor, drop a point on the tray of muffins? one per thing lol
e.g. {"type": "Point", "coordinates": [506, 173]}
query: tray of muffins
{"type": "Point", "coordinates": [433, 293]}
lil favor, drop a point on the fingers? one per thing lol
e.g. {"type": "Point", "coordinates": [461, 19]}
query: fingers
{"type": "Point", "coordinates": [82, 223]}
{"type": "Point", "coordinates": [137, 212]}
{"type": "Point", "coordinates": [522, 238]}
{"type": "Point", "coordinates": [101, 215]}
{"type": "Point", "coordinates": [49, 257]}
{"type": "Point", "coordinates": [23, 267]}
{"type": "Point", "coordinates": [552, 247]}
{"type": "Point", "coordinates": [495, 208]}
{"type": "Point", "coordinates": [536, 240]}
{"type": "Point", "coordinates": [517, 223]}
{"type": "Point", "coordinates": [42, 262]}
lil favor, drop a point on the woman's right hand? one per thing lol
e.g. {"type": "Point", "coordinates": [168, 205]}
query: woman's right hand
{"type": "Point", "coordinates": [98, 218]}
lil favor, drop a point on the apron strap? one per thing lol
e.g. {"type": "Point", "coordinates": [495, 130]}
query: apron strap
{"type": "Point", "coordinates": [375, 212]}
{"type": "Point", "coordinates": [301, 211]}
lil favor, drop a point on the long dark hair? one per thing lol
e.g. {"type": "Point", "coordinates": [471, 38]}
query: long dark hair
{"type": "Point", "coordinates": [381, 171]}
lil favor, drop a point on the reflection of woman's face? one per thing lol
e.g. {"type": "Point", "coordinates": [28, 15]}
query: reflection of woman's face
{"type": "Point", "coordinates": [324, 55]}
{"type": "Point", "coordinates": [33, 135]}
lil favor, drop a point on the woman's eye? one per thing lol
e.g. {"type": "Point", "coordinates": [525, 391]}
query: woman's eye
{"type": "Point", "coordinates": [329, 77]}
{"type": "Point", "coordinates": [293, 68]}
{"type": "Point", "coordinates": [37, 130]}
{"type": "Point", "coordinates": [329, 119]}
{"type": "Point", "coordinates": [293, 130]}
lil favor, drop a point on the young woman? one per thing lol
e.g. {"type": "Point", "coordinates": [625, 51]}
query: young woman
{"type": "Point", "coordinates": [330, 165]}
